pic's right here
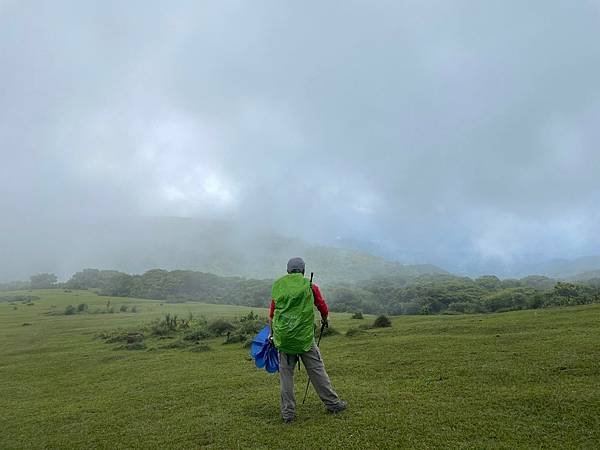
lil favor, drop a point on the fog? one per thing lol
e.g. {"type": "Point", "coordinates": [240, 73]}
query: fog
{"type": "Point", "coordinates": [463, 134]}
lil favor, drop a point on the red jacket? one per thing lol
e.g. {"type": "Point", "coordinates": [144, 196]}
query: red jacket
{"type": "Point", "coordinates": [319, 303]}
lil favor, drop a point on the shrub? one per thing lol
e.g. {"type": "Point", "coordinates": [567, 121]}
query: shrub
{"type": "Point", "coordinates": [70, 310]}
{"type": "Point", "coordinates": [251, 326]}
{"type": "Point", "coordinates": [196, 335]}
{"type": "Point", "coordinates": [249, 317]}
{"type": "Point", "coordinates": [220, 327]}
{"type": "Point", "coordinates": [123, 308]}
{"type": "Point", "coordinates": [127, 337]}
{"type": "Point", "coordinates": [82, 307]}
{"type": "Point", "coordinates": [168, 324]}
{"type": "Point", "coordinates": [382, 321]}
{"type": "Point", "coordinates": [134, 309]}
{"type": "Point", "coordinates": [235, 338]}
{"type": "Point", "coordinates": [354, 332]}
{"type": "Point", "coordinates": [162, 327]}
{"type": "Point", "coordinates": [357, 315]}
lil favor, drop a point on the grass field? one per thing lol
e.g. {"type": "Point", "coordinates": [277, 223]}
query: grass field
{"type": "Point", "coordinates": [527, 379]}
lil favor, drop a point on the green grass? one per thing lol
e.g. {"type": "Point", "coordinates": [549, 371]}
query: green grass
{"type": "Point", "coordinates": [526, 379]}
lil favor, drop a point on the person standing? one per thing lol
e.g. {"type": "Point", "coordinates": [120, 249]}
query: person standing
{"type": "Point", "coordinates": [291, 320]}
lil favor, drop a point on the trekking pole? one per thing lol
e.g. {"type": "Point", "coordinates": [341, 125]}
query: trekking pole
{"type": "Point", "coordinates": [318, 343]}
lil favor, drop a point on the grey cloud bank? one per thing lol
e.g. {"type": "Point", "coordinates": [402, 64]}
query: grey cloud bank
{"type": "Point", "coordinates": [463, 134]}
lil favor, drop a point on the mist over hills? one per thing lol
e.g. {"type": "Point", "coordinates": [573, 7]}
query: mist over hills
{"type": "Point", "coordinates": [463, 262]}
{"type": "Point", "coordinates": [569, 268]}
{"type": "Point", "coordinates": [217, 247]}
{"type": "Point", "coordinates": [134, 245]}
{"type": "Point", "coordinates": [222, 262]}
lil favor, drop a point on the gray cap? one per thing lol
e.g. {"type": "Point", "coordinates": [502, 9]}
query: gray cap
{"type": "Point", "coordinates": [295, 265]}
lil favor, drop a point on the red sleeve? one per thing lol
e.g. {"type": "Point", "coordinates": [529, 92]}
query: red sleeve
{"type": "Point", "coordinates": [272, 309]}
{"type": "Point", "coordinates": [320, 301]}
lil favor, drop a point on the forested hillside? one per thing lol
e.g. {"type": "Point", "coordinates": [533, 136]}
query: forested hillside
{"type": "Point", "coordinates": [407, 294]}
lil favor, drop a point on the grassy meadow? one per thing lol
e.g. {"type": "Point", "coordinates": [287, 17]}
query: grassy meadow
{"type": "Point", "coordinates": [524, 379]}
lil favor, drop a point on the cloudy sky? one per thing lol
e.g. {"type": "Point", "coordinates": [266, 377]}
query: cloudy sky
{"type": "Point", "coordinates": [430, 131]}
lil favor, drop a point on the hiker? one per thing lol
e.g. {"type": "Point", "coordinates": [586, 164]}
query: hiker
{"type": "Point", "coordinates": [291, 320]}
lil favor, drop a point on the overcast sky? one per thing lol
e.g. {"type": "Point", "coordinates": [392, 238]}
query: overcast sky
{"type": "Point", "coordinates": [434, 130]}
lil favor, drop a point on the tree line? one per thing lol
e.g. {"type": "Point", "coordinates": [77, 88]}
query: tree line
{"type": "Point", "coordinates": [439, 294]}
{"type": "Point", "coordinates": [420, 294]}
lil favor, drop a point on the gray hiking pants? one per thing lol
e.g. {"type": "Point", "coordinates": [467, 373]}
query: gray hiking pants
{"type": "Point", "coordinates": [318, 377]}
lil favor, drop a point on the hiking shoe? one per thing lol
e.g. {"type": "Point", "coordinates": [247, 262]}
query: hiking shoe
{"type": "Point", "coordinates": [339, 407]}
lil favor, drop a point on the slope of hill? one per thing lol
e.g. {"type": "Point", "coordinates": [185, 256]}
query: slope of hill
{"type": "Point", "coordinates": [526, 379]}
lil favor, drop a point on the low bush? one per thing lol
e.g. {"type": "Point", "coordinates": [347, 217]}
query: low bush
{"type": "Point", "coordinates": [382, 321]}
{"type": "Point", "coordinates": [357, 315]}
{"type": "Point", "coordinates": [220, 327]}
{"type": "Point", "coordinates": [123, 308]}
{"type": "Point", "coordinates": [82, 307]}
{"type": "Point", "coordinates": [234, 338]}
{"type": "Point", "coordinates": [70, 310]}
{"type": "Point", "coordinates": [128, 337]}
{"type": "Point", "coordinates": [355, 332]}
{"type": "Point", "coordinates": [176, 332]}
{"type": "Point", "coordinates": [196, 335]}
{"type": "Point", "coordinates": [245, 328]}
{"type": "Point", "coordinates": [168, 325]}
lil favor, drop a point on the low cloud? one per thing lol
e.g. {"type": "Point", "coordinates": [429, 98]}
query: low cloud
{"type": "Point", "coordinates": [435, 132]}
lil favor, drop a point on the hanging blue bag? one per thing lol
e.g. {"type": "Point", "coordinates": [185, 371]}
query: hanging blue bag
{"type": "Point", "coordinates": [263, 351]}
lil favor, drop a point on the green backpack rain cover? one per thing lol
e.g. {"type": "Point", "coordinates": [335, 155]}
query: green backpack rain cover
{"type": "Point", "coordinates": [293, 329]}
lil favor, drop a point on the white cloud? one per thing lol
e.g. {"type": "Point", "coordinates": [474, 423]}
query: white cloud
{"type": "Point", "coordinates": [426, 127]}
